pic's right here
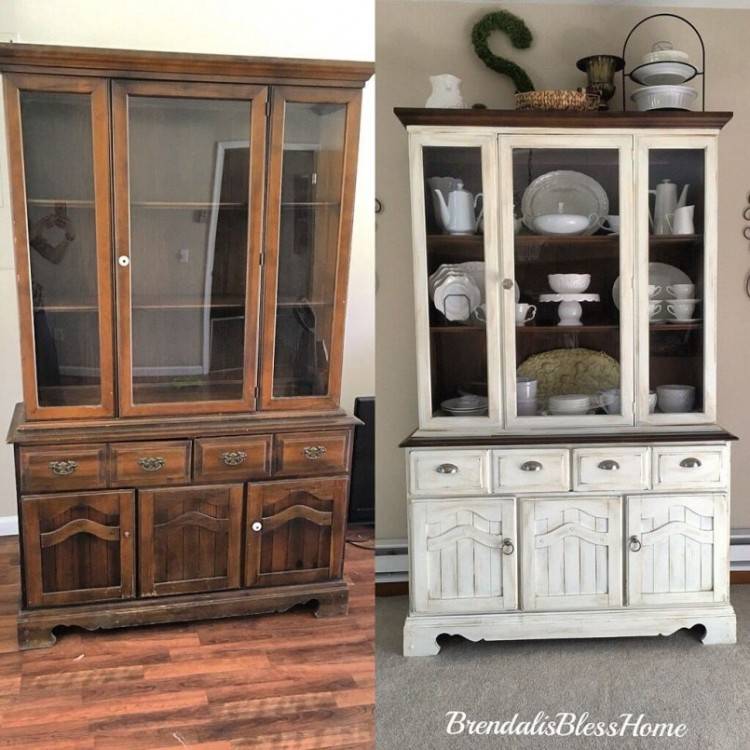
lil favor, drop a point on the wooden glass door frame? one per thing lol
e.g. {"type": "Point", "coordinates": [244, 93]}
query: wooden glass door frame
{"type": "Point", "coordinates": [644, 144]}
{"type": "Point", "coordinates": [353, 100]}
{"type": "Point", "coordinates": [97, 90]}
{"type": "Point", "coordinates": [623, 144]}
{"type": "Point", "coordinates": [419, 139]}
{"type": "Point", "coordinates": [257, 96]}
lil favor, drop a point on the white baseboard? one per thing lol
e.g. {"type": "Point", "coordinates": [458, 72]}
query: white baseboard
{"type": "Point", "coordinates": [8, 525]}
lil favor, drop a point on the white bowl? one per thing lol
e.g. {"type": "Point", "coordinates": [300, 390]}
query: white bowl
{"type": "Point", "coordinates": [664, 97]}
{"type": "Point", "coordinates": [569, 283]}
{"type": "Point", "coordinates": [667, 73]}
{"type": "Point", "coordinates": [569, 403]}
{"type": "Point", "coordinates": [665, 55]}
{"type": "Point", "coordinates": [675, 399]}
{"type": "Point", "coordinates": [560, 223]}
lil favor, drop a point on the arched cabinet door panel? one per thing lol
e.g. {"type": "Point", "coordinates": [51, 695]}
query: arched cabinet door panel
{"type": "Point", "coordinates": [294, 531]}
{"type": "Point", "coordinates": [78, 547]}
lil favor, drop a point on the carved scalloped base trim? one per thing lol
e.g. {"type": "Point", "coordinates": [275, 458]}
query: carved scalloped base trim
{"type": "Point", "coordinates": [421, 632]}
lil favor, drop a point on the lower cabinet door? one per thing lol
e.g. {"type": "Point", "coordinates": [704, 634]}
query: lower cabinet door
{"type": "Point", "coordinates": [78, 547]}
{"type": "Point", "coordinates": [463, 555]}
{"type": "Point", "coordinates": [572, 553]}
{"type": "Point", "coordinates": [189, 539]}
{"type": "Point", "coordinates": [678, 548]}
{"type": "Point", "coordinates": [295, 531]}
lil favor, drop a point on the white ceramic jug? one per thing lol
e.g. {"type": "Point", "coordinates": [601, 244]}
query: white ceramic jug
{"type": "Point", "coordinates": [682, 220]}
{"type": "Point", "coordinates": [457, 214]}
{"type": "Point", "coordinates": [665, 203]}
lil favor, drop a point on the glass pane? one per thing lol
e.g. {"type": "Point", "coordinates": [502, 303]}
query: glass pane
{"type": "Point", "coordinates": [567, 267]}
{"type": "Point", "coordinates": [308, 246]}
{"type": "Point", "coordinates": [676, 279]}
{"type": "Point", "coordinates": [188, 247]}
{"type": "Point", "coordinates": [58, 165]}
{"type": "Point", "coordinates": [455, 264]}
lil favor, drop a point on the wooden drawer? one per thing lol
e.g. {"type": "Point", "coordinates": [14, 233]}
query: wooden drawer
{"type": "Point", "coordinates": [52, 469]}
{"type": "Point", "coordinates": [236, 458]}
{"type": "Point", "coordinates": [306, 453]}
{"type": "Point", "coordinates": [149, 464]}
{"type": "Point", "coordinates": [449, 472]}
{"type": "Point", "coordinates": [690, 467]}
{"type": "Point", "coordinates": [531, 470]}
{"type": "Point", "coordinates": [611, 469]}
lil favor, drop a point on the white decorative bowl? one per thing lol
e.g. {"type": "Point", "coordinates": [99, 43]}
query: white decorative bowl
{"type": "Point", "coordinates": [569, 403]}
{"type": "Point", "coordinates": [667, 73]}
{"type": "Point", "coordinates": [560, 223]}
{"type": "Point", "coordinates": [675, 399]}
{"type": "Point", "coordinates": [664, 97]}
{"type": "Point", "coordinates": [569, 283]}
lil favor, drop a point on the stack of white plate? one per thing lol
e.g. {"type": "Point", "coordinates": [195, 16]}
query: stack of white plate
{"type": "Point", "coordinates": [663, 74]}
{"type": "Point", "coordinates": [466, 406]}
{"type": "Point", "coordinates": [457, 289]}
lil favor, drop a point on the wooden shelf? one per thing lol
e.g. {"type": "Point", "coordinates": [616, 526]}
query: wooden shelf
{"type": "Point", "coordinates": [456, 328]}
{"type": "Point", "coordinates": [67, 202]}
{"type": "Point", "coordinates": [187, 205]}
{"type": "Point", "coordinates": [302, 303]}
{"type": "Point", "coordinates": [145, 303]}
{"type": "Point", "coordinates": [530, 330]}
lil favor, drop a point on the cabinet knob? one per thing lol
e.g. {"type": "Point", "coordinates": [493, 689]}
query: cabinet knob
{"type": "Point", "coordinates": [152, 463]}
{"type": "Point", "coordinates": [635, 544]}
{"type": "Point", "coordinates": [256, 526]}
{"type": "Point", "coordinates": [233, 458]}
{"type": "Point", "coordinates": [609, 465]}
{"type": "Point", "coordinates": [508, 547]}
{"type": "Point", "coordinates": [508, 284]}
{"type": "Point", "coordinates": [123, 261]}
{"type": "Point", "coordinates": [447, 469]}
{"type": "Point", "coordinates": [690, 463]}
{"type": "Point", "coordinates": [126, 534]}
{"type": "Point", "coordinates": [313, 452]}
{"type": "Point", "coordinates": [63, 468]}
{"type": "Point", "coordinates": [531, 466]}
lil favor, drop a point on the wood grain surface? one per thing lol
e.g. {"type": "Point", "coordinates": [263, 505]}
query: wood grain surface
{"type": "Point", "coordinates": [271, 681]}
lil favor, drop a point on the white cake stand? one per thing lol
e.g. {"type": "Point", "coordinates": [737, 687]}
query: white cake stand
{"type": "Point", "coordinates": [569, 310]}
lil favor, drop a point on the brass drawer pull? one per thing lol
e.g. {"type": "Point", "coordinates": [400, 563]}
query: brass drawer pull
{"type": "Point", "coordinates": [234, 458]}
{"type": "Point", "coordinates": [508, 547]}
{"type": "Point", "coordinates": [609, 465]}
{"type": "Point", "coordinates": [314, 452]}
{"type": "Point", "coordinates": [447, 469]}
{"type": "Point", "coordinates": [152, 463]}
{"type": "Point", "coordinates": [691, 463]}
{"type": "Point", "coordinates": [63, 468]}
{"type": "Point", "coordinates": [531, 466]}
{"type": "Point", "coordinates": [635, 544]}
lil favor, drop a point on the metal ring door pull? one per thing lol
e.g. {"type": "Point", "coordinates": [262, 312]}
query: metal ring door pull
{"type": "Point", "coordinates": [447, 469]}
{"type": "Point", "coordinates": [691, 463]}
{"type": "Point", "coordinates": [508, 547]}
{"type": "Point", "coordinates": [531, 466]}
{"type": "Point", "coordinates": [635, 544]}
{"type": "Point", "coordinates": [257, 526]}
{"type": "Point", "coordinates": [609, 465]}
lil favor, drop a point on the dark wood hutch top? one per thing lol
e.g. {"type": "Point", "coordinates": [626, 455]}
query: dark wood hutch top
{"type": "Point", "coordinates": [510, 118]}
{"type": "Point", "coordinates": [185, 66]}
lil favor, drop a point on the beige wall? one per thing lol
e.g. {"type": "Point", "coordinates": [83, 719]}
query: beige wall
{"type": "Point", "coordinates": [416, 39]}
{"type": "Point", "coordinates": [333, 29]}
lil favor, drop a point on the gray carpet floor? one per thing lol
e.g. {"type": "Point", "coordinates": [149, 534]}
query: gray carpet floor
{"type": "Point", "coordinates": [674, 679]}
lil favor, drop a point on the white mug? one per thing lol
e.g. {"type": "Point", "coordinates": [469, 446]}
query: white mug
{"type": "Point", "coordinates": [654, 308]}
{"type": "Point", "coordinates": [682, 291]}
{"type": "Point", "coordinates": [524, 313]}
{"type": "Point", "coordinates": [681, 221]}
{"type": "Point", "coordinates": [653, 290]}
{"type": "Point", "coordinates": [613, 224]}
{"type": "Point", "coordinates": [682, 309]}
{"type": "Point", "coordinates": [526, 388]}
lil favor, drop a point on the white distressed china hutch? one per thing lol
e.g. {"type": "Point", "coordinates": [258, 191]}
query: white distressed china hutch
{"type": "Point", "coordinates": [529, 515]}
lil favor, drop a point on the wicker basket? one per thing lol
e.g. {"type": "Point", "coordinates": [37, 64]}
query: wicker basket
{"type": "Point", "coordinates": [560, 100]}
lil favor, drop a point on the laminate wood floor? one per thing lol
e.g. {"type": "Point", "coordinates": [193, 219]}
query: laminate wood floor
{"type": "Point", "coordinates": [283, 681]}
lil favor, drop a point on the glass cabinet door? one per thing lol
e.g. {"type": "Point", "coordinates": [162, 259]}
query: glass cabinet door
{"type": "Point", "coordinates": [567, 289]}
{"type": "Point", "coordinates": [58, 141]}
{"type": "Point", "coordinates": [677, 210]}
{"type": "Point", "coordinates": [189, 173]}
{"type": "Point", "coordinates": [456, 273]}
{"type": "Point", "coordinates": [313, 151]}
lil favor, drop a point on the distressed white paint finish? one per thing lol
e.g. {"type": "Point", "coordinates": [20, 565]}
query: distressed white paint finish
{"type": "Point", "coordinates": [531, 470]}
{"type": "Point", "coordinates": [711, 471]}
{"type": "Point", "coordinates": [571, 553]}
{"type": "Point", "coordinates": [643, 146]}
{"type": "Point", "coordinates": [449, 472]}
{"type": "Point", "coordinates": [678, 549]}
{"type": "Point", "coordinates": [421, 633]}
{"type": "Point", "coordinates": [463, 555]}
{"type": "Point", "coordinates": [629, 468]}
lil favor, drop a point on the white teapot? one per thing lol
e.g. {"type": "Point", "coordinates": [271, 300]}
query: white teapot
{"type": "Point", "coordinates": [458, 213]}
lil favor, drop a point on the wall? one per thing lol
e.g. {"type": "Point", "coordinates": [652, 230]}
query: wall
{"type": "Point", "coordinates": [333, 29]}
{"type": "Point", "coordinates": [416, 39]}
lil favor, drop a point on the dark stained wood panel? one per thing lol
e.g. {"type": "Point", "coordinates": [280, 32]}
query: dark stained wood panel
{"type": "Point", "coordinates": [232, 458]}
{"type": "Point", "coordinates": [150, 464]}
{"type": "Point", "coordinates": [74, 467]}
{"type": "Point", "coordinates": [510, 118]}
{"type": "Point", "coordinates": [303, 454]}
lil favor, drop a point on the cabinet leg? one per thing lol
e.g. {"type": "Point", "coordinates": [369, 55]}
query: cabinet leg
{"type": "Point", "coordinates": [333, 605]}
{"type": "Point", "coordinates": [35, 636]}
{"type": "Point", "coordinates": [420, 641]}
{"type": "Point", "coordinates": [720, 630]}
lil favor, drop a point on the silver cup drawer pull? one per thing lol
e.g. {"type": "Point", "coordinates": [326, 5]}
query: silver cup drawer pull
{"type": "Point", "coordinates": [152, 463]}
{"type": "Point", "coordinates": [531, 466]}
{"type": "Point", "coordinates": [447, 469]}
{"type": "Point", "coordinates": [691, 463]}
{"type": "Point", "coordinates": [62, 468]}
{"type": "Point", "coordinates": [609, 465]}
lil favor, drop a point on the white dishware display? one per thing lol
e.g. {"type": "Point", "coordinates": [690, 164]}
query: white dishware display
{"type": "Point", "coordinates": [569, 311]}
{"type": "Point", "coordinates": [663, 51]}
{"type": "Point", "coordinates": [663, 73]}
{"type": "Point", "coordinates": [560, 223]}
{"type": "Point", "coordinates": [652, 399]}
{"type": "Point", "coordinates": [682, 309]}
{"type": "Point", "coordinates": [612, 224]}
{"type": "Point", "coordinates": [457, 296]}
{"type": "Point", "coordinates": [682, 221]}
{"type": "Point", "coordinates": [579, 194]}
{"type": "Point", "coordinates": [524, 313]}
{"type": "Point", "coordinates": [681, 291]}
{"type": "Point", "coordinates": [653, 290]}
{"type": "Point", "coordinates": [569, 283]}
{"type": "Point", "coordinates": [468, 405]}
{"type": "Point", "coordinates": [445, 186]}
{"type": "Point", "coordinates": [526, 388]}
{"type": "Point", "coordinates": [446, 92]}
{"type": "Point", "coordinates": [666, 203]}
{"type": "Point", "coordinates": [569, 403]}
{"type": "Point", "coordinates": [610, 401]}
{"type": "Point", "coordinates": [659, 274]}
{"type": "Point", "coordinates": [527, 407]}
{"type": "Point", "coordinates": [664, 97]}
{"type": "Point", "coordinates": [654, 308]}
{"type": "Point", "coordinates": [675, 399]}
{"type": "Point", "coordinates": [458, 213]}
